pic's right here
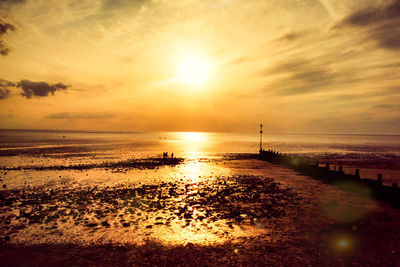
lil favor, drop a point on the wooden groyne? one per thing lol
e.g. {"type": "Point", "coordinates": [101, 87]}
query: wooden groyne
{"type": "Point", "coordinates": [375, 188]}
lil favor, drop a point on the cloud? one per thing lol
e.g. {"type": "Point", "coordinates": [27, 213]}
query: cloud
{"type": "Point", "coordinates": [5, 28]}
{"type": "Point", "coordinates": [6, 5]}
{"type": "Point", "coordinates": [39, 89]}
{"type": "Point", "coordinates": [381, 24]}
{"type": "Point", "coordinates": [362, 96]}
{"type": "Point", "coordinates": [4, 49]}
{"type": "Point", "coordinates": [11, 2]}
{"type": "Point", "coordinates": [290, 36]}
{"type": "Point", "coordinates": [4, 93]}
{"type": "Point", "coordinates": [329, 65]}
{"type": "Point", "coordinates": [117, 4]}
{"type": "Point", "coordinates": [5, 83]}
{"type": "Point", "coordinates": [299, 76]}
{"type": "Point", "coordinates": [83, 115]}
{"type": "Point", "coordinates": [30, 89]}
{"type": "Point", "coordinates": [239, 60]}
{"type": "Point", "coordinates": [360, 123]}
{"type": "Point", "coordinates": [387, 106]}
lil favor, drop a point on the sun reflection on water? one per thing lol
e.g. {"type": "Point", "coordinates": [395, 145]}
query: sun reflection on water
{"type": "Point", "coordinates": [194, 144]}
{"type": "Point", "coordinates": [193, 136]}
{"type": "Point", "coordinates": [194, 170]}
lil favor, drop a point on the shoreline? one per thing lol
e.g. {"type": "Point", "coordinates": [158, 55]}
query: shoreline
{"type": "Point", "coordinates": [308, 233]}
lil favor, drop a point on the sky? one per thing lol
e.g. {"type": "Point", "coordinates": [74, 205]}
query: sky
{"type": "Point", "coordinates": [118, 65]}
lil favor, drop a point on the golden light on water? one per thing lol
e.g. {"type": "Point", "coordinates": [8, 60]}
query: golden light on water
{"type": "Point", "coordinates": [194, 144]}
{"type": "Point", "coordinates": [194, 170]}
{"type": "Point", "coordinates": [193, 136]}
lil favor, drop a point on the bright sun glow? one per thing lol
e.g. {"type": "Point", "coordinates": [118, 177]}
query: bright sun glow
{"type": "Point", "coordinates": [193, 136]}
{"type": "Point", "coordinates": [194, 143]}
{"type": "Point", "coordinates": [193, 70]}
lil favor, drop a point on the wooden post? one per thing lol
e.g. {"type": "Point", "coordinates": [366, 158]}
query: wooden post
{"type": "Point", "coordinates": [380, 181]}
{"type": "Point", "coordinates": [261, 132]}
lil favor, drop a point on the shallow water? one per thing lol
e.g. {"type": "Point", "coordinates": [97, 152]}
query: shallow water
{"type": "Point", "coordinates": [193, 144]}
{"type": "Point", "coordinates": [102, 205]}
{"type": "Point", "coordinates": [372, 154]}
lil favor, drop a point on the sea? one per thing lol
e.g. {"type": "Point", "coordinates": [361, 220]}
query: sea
{"type": "Point", "coordinates": [371, 153]}
{"type": "Point", "coordinates": [193, 144]}
{"type": "Point", "coordinates": [191, 202]}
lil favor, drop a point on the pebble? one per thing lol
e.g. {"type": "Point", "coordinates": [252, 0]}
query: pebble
{"type": "Point", "coordinates": [105, 224]}
{"type": "Point", "coordinates": [211, 201]}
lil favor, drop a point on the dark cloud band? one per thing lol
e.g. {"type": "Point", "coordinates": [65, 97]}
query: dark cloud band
{"type": "Point", "coordinates": [84, 115]}
{"type": "Point", "coordinates": [4, 93]}
{"type": "Point", "coordinates": [5, 28]}
{"type": "Point", "coordinates": [381, 24]}
{"type": "Point", "coordinates": [30, 89]}
{"type": "Point", "coordinates": [39, 89]}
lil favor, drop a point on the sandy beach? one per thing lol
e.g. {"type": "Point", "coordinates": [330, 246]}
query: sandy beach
{"type": "Point", "coordinates": [233, 210]}
{"type": "Point", "coordinates": [118, 199]}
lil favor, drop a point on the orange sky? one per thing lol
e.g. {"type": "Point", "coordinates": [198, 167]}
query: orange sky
{"type": "Point", "coordinates": [295, 65]}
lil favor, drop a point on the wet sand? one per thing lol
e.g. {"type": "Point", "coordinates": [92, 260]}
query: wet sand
{"type": "Point", "coordinates": [240, 211]}
{"type": "Point", "coordinates": [369, 166]}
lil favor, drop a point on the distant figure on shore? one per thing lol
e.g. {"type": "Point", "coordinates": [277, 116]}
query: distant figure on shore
{"type": "Point", "coordinates": [165, 155]}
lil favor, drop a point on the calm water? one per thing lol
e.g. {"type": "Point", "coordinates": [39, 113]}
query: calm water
{"type": "Point", "coordinates": [192, 145]}
{"type": "Point", "coordinates": [168, 204]}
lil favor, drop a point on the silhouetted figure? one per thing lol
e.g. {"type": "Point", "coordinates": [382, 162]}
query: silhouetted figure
{"type": "Point", "coordinates": [166, 154]}
{"type": "Point", "coordinates": [172, 155]}
{"type": "Point", "coordinates": [380, 181]}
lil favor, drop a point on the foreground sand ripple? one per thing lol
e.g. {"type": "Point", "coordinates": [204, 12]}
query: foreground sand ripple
{"type": "Point", "coordinates": [216, 206]}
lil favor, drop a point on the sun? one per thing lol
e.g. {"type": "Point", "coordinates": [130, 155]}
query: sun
{"type": "Point", "coordinates": [193, 70]}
